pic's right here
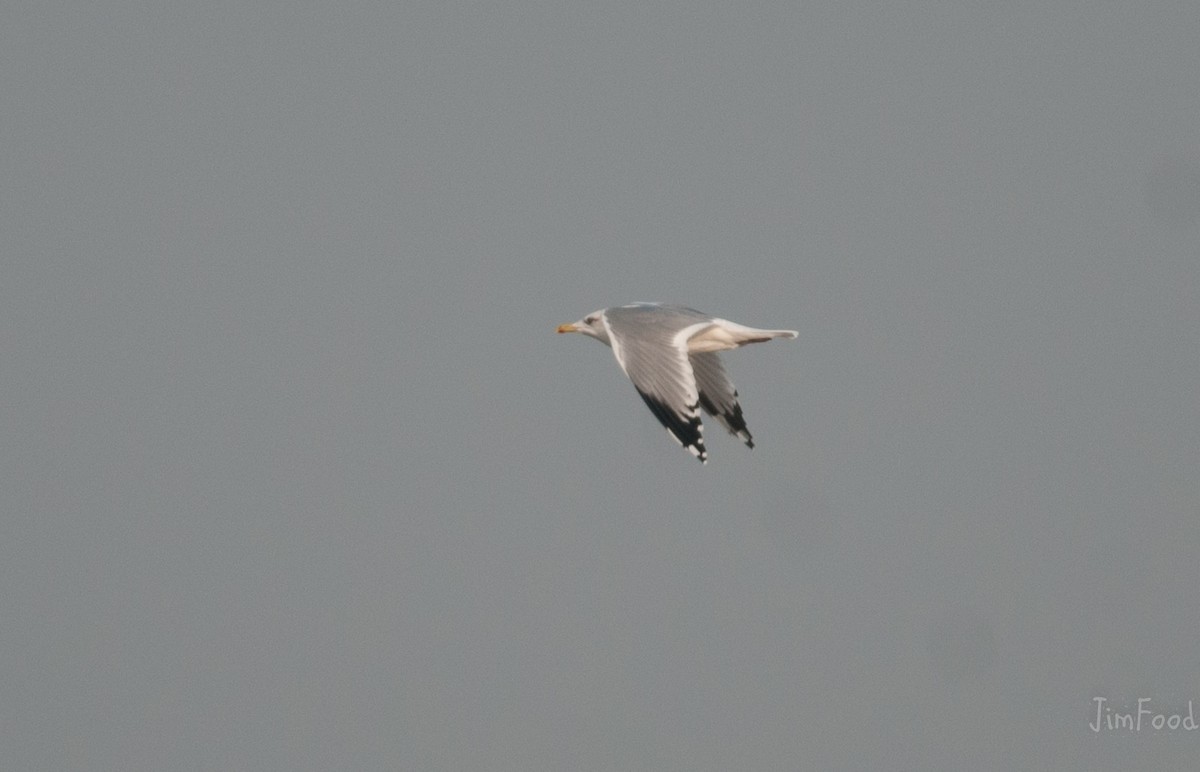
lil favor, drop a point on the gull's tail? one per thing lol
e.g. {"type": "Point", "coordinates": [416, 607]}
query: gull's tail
{"type": "Point", "coordinates": [724, 334]}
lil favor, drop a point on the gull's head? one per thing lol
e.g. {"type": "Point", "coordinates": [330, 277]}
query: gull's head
{"type": "Point", "coordinates": [591, 325]}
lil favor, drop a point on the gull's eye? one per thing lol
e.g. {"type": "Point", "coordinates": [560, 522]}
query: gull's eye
{"type": "Point", "coordinates": [590, 320]}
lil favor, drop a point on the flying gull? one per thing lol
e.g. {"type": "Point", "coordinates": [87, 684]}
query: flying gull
{"type": "Point", "coordinates": [669, 352]}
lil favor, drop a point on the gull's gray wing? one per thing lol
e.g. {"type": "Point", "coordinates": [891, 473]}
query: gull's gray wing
{"type": "Point", "coordinates": [650, 343]}
{"type": "Point", "coordinates": [718, 396]}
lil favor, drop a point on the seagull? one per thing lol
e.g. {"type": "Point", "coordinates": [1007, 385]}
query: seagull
{"type": "Point", "coordinates": [669, 352]}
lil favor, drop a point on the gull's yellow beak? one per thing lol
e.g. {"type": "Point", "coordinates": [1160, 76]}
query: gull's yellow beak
{"type": "Point", "coordinates": [568, 327]}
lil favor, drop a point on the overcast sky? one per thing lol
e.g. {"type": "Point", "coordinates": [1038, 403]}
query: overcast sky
{"type": "Point", "coordinates": [297, 475]}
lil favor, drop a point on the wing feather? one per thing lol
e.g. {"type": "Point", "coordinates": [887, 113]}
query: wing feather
{"type": "Point", "coordinates": [651, 347]}
{"type": "Point", "coordinates": [718, 396]}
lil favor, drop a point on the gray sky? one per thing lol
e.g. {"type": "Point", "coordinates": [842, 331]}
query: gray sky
{"type": "Point", "coordinates": [297, 474]}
